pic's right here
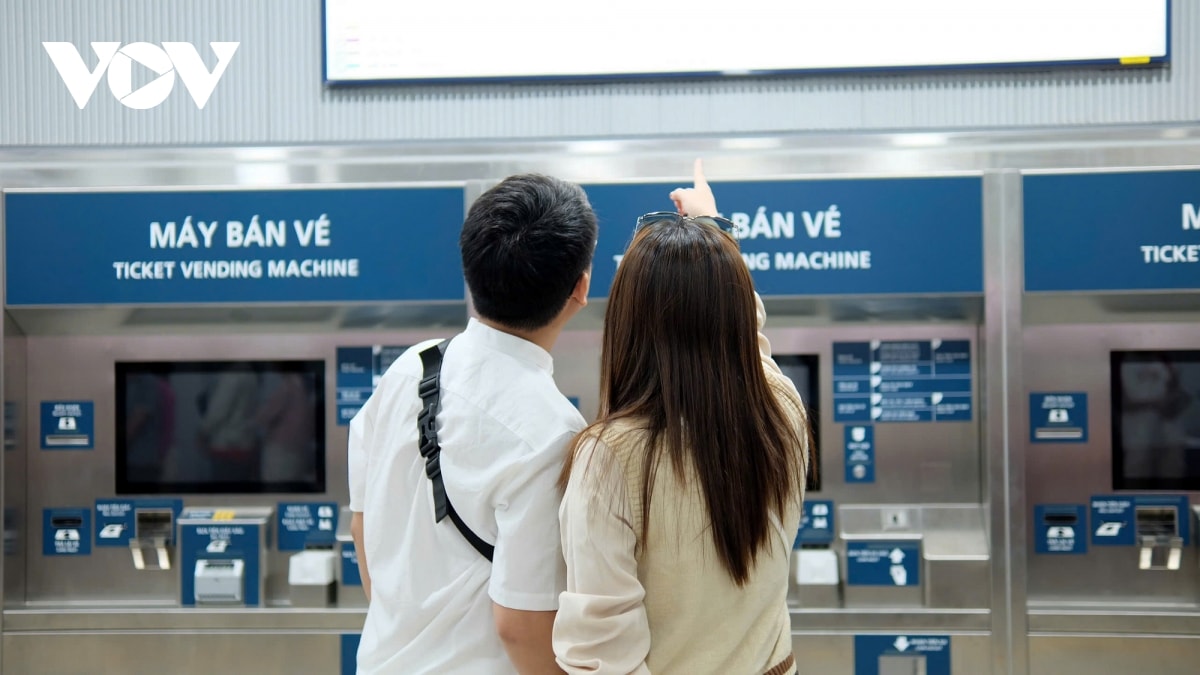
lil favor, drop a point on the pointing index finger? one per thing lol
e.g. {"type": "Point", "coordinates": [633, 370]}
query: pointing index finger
{"type": "Point", "coordinates": [698, 173]}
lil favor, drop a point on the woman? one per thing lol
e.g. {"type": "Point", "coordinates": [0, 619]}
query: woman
{"type": "Point", "coordinates": [682, 501]}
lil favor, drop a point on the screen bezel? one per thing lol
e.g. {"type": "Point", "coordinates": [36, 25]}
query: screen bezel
{"type": "Point", "coordinates": [316, 368]}
{"type": "Point", "coordinates": [1119, 479]}
{"type": "Point", "coordinates": [812, 362]}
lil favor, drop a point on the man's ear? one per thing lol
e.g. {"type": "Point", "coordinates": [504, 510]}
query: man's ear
{"type": "Point", "coordinates": [582, 287]}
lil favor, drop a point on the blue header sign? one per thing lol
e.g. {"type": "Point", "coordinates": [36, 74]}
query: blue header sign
{"type": "Point", "coordinates": [1060, 528]}
{"type": "Point", "coordinates": [826, 237]}
{"type": "Point", "coordinates": [242, 246]}
{"type": "Point", "coordinates": [66, 532]}
{"type": "Point", "coordinates": [883, 563]}
{"type": "Point", "coordinates": [816, 524]}
{"type": "Point", "coordinates": [304, 523]}
{"type": "Point", "coordinates": [359, 370]}
{"type": "Point", "coordinates": [1058, 418]}
{"type": "Point", "coordinates": [1114, 517]}
{"type": "Point", "coordinates": [67, 425]}
{"type": "Point", "coordinates": [1112, 231]}
{"type": "Point", "coordinates": [888, 654]}
{"type": "Point", "coordinates": [116, 518]}
{"type": "Point", "coordinates": [902, 381]}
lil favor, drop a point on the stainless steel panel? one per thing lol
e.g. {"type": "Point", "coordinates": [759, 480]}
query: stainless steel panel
{"type": "Point", "coordinates": [1076, 358]}
{"type": "Point", "coordinates": [82, 367]}
{"type": "Point", "coordinates": [153, 653]}
{"type": "Point", "coordinates": [1005, 472]}
{"type": "Point", "coordinates": [1130, 620]}
{"type": "Point", "coordinates": [1118, 655]}
{"type": "Point", "coordinates": [957, 583]}
{"type": "Point", "coordinates": [955, 558]}
{"type": "Point", "coordinates": [192, 619]}
{"type": "Point", "coordinates": [915, 463]}
{"type": "Point", "coordinates": [14, 462]}
{"type": "Point", "coordinates": [272, 92]}
{"type": "Point", "coordinates": [783, 154]}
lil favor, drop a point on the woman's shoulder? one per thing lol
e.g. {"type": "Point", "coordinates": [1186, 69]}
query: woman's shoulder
{"type": "Point", "coordinates": [621, 437]}
{"type": "Point", "coordinates": [621, 431]}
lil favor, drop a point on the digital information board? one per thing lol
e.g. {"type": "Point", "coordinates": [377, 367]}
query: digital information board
{"type": "Point", "coordinates": [386, 41]}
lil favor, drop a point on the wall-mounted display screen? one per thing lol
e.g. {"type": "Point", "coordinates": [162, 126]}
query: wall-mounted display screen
{"type": "Point", "coordinates": [388, 41]}
{"type": "Point", "coordinates": [220, 427]}
{"type": "Point", "coordinates": [1156, 420]}
{"type": "Point", "coordinates": [802, 370]}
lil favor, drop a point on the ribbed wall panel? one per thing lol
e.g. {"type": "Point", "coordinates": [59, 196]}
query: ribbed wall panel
{"type": "Point", "coordinates": [272, 92]}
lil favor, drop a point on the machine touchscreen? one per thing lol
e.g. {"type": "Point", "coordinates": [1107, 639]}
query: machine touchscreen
{"type": "Point", "coordinates": [1156, 420]}
{"type": "Point", "coordinates": [802, 370]}
{"type": "Point", "coordinates": [220, 427]}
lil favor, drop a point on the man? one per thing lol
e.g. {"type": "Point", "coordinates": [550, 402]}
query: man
{"type": "Point", "coordinates": [436, 604]}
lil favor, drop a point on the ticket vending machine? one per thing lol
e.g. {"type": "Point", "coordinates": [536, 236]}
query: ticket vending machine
{"type": "Point", "coordinates": [1111, 441]}
{"type": "Point", "coordinates": [177, 384]}
{"type": "Point", "coordinates": [874, 291]}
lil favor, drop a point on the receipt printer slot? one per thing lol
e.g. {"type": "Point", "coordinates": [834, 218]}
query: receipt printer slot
{"type": "Point", "coordinates": [66, 522]}
{"type": "Point", "coordinates": [902, 664]}
{"type": "Point", "coordinates": [1060, 524]}
{"type": "Point", "coordinates": [154, 524]}
{"type": "Point", "coordinates": [153, 537]}
{"type": "Point", "coordinates": [1160, 546]}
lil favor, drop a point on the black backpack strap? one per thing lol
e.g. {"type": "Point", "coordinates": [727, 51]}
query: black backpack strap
{"type": "Point", "coordinates": [430, 391]}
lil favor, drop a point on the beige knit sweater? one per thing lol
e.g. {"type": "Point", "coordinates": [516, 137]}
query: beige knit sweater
{"type": "Point", "coordinates": [665, 604]}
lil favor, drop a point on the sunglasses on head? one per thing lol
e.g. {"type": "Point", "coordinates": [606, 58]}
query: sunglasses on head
{"type": "Point", "coordinates": [722, 224]}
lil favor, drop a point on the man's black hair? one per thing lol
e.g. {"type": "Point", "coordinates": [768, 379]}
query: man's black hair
{"type": "Point", "coordinates": [524, 245]}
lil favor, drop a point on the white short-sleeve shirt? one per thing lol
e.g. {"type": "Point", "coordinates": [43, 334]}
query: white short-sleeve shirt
{"type": "Point", "coordinates": [504, 429]}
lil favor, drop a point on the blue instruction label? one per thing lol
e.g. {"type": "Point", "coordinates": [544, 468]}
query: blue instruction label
{"type": "Point", "coordinates": [351, 575]}
{"type": "Point", "coordinates": [883, 563]}
{"type": "Point", "coordinates": [220, 541]}
{"type": "Point", "coordinates": [889, 654]}
{"type": "Point", "coordinates": [816, 524]}
{"type": "Point", "coordinates": [66, 531]}
{"type": "Point", "coordinates": [1060, 528]}
{"type": "Point", "coordinates": [306, 523]}
{"type": "Point", "coordinates": [350, 653]}
{"type": "Point", "coordinates": [359, 370]}
{"type": "Point", "coordinates": [1058, 418]}
{"type": "Point", "coordinates": [67, 425]}
{"type": "Point", "coordinates": [116, 518]}
{"type": "Point", "coordinates": [902, 381]}
{"type": "Point", "coordinates": [860, 454]}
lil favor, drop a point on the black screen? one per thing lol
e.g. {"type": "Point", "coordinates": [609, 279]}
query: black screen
{"type": "Point", "coordinates": [220, 427]}
{"type": "Point", "coordinates": [1156, 420]}
{"type": "Point", "coordinates": [801, 369]}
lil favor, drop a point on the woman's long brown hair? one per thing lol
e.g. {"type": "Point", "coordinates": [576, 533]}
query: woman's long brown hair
{"type": "Point", "coordinates": [680, 358]}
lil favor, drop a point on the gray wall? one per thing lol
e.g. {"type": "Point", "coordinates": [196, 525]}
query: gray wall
{"type": "Point", "coordinates": [273, 94]}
